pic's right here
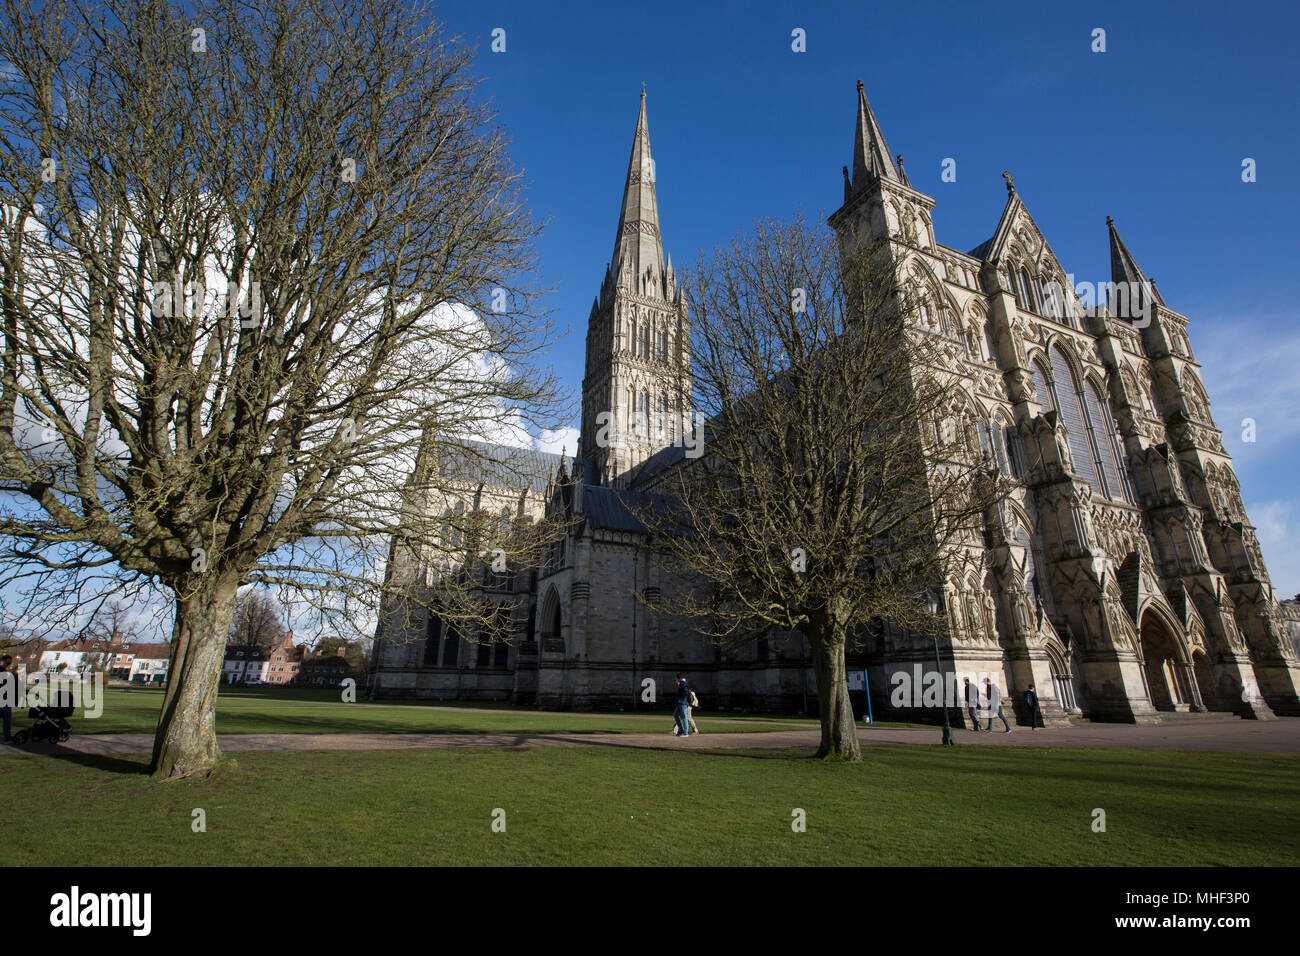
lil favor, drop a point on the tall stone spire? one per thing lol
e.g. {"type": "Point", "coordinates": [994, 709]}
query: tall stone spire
{"type": "Point", "coordinates": [871, 157]}
{"type": "Point", "coordinates": [1124, 268]}
{"type": "Point", "coordinates": [638, 251]}
{"type": "Point", "coordinates": [636, 391]}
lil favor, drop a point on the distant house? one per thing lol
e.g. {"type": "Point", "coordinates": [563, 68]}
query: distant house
{"type": "Point", "coordinates": [149, 663]}
{"type": "Point", "coordinates": [82, 655]}
{"type": "Point", "coordinates": [73, 656]}
{"type": "Point", "coordinates": [325, 670]}
{"type": "Point", "coordinates": [119, 662]}
{"type": "Point", "coordinates": [244, 664]}
{"type": "Point", "coordinates": [122, 659]}
{"type": "Point", "coordinates": [284, 662]}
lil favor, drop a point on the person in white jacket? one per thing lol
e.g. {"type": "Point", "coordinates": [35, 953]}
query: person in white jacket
{"type": "Point", "coordinates": [995, 705]}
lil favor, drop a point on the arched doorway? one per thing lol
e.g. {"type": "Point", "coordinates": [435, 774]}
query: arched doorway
{"type": "Point", "coordinates": [1062, 682]}
{"type": "Point", "coordinates": [1165, 667]}
{"type": "Point", "coordinates": [1204, 675]}
{"type": "Point", "coordinates": [552, 636]}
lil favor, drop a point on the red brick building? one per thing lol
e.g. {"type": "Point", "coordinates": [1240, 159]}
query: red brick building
{"type": "Point", "coordinates": [284, 662]}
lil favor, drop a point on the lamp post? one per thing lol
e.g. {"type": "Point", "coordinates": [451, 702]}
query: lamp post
{"type": "Point", "coordinates": [935, 608]}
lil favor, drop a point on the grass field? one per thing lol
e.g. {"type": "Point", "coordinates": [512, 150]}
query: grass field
{"type": "Point", "coordinates": [135, 710]}
{"type": "Point", "coordinates": [610, 805]}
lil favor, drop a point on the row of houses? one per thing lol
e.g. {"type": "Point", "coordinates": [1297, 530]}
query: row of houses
{"type": "Point", "coordinates": [284, 664]}
{"type": "Point", "coordinates": [139, 663]}
{"type": "Point", "coordinates": [147, 663]}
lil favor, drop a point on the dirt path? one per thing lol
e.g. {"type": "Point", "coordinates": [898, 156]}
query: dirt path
{"type": "Point", "coordinates": [1278, 736]}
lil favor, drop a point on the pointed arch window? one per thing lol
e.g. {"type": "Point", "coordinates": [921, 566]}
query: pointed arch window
{"type": "Point", "coordinates": [941, 315]}
{"type": "Point", "coordinates": [432, 639]}
{"type": "Point", "coordinates": [1030, 291]}
{"type": "Point", "coordinates": [1002, 450]}
{"type": "Point", "coordinates": [1069, 402]}
{"type": "Point", "coordinates": [990, 340]}
{"type": "Point", "coordinates": [1016, 289]}
{"type": "Point", "coordinates": [1104, 436]}
{"type": "Point", "coordinates": [1042, 390]}
{"type": "Point", "coordinates": [451, 647]}
{"type": "Point", "coordinates": [457, 524]}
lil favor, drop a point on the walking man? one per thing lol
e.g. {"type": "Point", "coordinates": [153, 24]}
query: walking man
{"type": "Point", "coordinates": [690, 712]}
{"type": "Point", "coordinates": [683, 701]}
{"type": "Point", "coordinates": [1031, 701]}
{"type": "Point", "coordinates": [995, 706]}
{"type": "Point", "coordinates": [973, 705]}
{"type": "Point", "coordinates": [8, 695]}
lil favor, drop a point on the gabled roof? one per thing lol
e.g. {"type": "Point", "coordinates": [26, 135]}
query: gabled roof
{"type": "Point", "coordinates": [607, 508]}
{"type": "Point", "coordinates": [993, 249]}
{"type": "Point", "coordinates": [659, 462]}
{"type": "Point", "coordinates": [501, 466]}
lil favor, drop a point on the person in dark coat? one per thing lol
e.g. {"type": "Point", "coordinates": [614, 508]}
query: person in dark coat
{"type": "Point", "coordinates": [8, 695]}
{"type": "Point", "coordinates": [1031, 702]}
{"type": "Point", "coordinates": [973, 705]}
{"type": "Point", "coordinates": [683, 701]}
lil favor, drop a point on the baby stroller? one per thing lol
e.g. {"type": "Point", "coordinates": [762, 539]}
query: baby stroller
{"type": "Point", "coordinates": [51, 721]}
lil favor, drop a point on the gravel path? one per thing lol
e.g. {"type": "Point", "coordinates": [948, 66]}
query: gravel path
{"type": "Point", "coordinates": [1241, 736]}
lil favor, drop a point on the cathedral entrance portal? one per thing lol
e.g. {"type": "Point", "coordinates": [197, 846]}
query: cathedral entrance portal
{"type": "Point", "coordinates": [1204, 677]}
{"type": "Point", "coordinates": [1062, 682]}
{"type": "Point", "coordinates": [552, 635]}
{"type": "Point", "coordinates": [1165, 666]}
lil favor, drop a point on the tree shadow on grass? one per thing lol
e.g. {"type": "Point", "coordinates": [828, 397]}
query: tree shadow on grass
{"type": "Point", "coordinates": [792, 753]}
{"type": "Point", "coordinates": [108, 763]}
{"type": "Point", "coordinates": [281, 723]}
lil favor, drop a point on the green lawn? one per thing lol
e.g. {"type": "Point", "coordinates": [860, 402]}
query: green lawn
{"type": "Point", "coordinates": [610, 805]}
{"type": "Point", "coordinates": [135, 710]}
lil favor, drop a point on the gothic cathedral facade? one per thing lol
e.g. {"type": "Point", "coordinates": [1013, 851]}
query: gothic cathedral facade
{"type": "Point", "coordinates": [1123, 577]}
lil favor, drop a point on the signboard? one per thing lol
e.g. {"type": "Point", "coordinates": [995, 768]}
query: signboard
{"type": "Point", "coordinates": [857, 680]}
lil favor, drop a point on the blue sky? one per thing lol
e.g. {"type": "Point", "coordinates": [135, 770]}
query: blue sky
{"type": "Point", "coordinates": [1153, 132]}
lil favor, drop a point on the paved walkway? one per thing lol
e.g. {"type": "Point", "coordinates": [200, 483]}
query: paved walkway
{"type": "Point", "coordinates": [1241, 736]}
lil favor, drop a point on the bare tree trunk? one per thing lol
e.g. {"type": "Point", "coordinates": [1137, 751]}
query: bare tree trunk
{"type": "Point", "coordinates": [839, 732]}
{"type": "Point", "coordinates": [185, 744]}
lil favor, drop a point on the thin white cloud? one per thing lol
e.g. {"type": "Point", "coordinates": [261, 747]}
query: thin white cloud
{"type": "Point", "coordinates": [557, 441]}
{"type": "Point", "coordinates": [1272, 520]}
{"type": "Point", "coordinates": [1252, 372]}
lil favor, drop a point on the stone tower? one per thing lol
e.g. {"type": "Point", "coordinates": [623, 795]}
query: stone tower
{"type": "Point", "coordinates": [1204, 542]}
{"type": "Point", "coordinates": [635, 391]}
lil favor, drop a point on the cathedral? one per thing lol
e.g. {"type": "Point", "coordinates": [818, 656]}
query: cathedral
{"type": "Point", "coordinates": [1124, 579]}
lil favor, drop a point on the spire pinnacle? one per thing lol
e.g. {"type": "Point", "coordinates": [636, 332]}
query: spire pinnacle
{"type": "Point", "coordinates": [871, 157]}
{"type": "Point", "coordinates": [637, 245]}
{"type": "Point", "coordinates": [1124, 268]}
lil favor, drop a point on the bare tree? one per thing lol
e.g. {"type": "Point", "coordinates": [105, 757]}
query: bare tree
{"type": "Point", "coordinates": [253, 258]}
{"type": "Point", "coordinates": [258, 620]}
{"type": "Point", "coordinates": [112, 626]}
{"type": "Point", "coordinates": [836, 490]}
